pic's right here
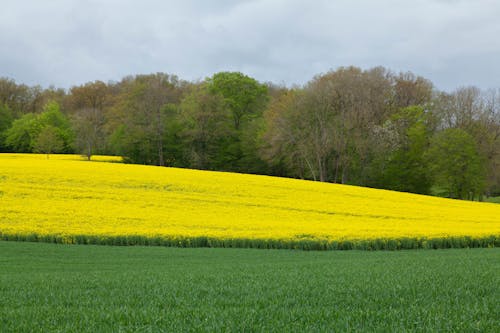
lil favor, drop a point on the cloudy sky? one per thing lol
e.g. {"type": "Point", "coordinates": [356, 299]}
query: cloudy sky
{"type": "Point", "coordinates": [64, 43]}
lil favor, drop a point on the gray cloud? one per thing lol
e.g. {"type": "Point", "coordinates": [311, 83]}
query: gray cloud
{"type": "Point", "coordinates": [64, 43]}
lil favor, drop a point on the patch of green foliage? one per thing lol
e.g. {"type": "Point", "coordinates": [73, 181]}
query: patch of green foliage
{"type": "Point", "coordinates": [493, 199]}
{"type": "Point", "coordinates": [47, 132]}
{"type": "Point", "coordinates": [73, 288]}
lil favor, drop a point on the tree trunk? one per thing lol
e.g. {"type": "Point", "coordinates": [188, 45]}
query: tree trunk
{"type": "Point", "coordinates": [344, 173]}
{"type": "Point", "coordinates": [89, 150]}
{"type": "Point", "coordinates": [311, 169]}
{"type": "Point", "coordinates": [337, 161]}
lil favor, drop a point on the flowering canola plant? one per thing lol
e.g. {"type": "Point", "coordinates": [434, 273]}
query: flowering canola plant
{"type": "Point", "coordinates": [67, 199]}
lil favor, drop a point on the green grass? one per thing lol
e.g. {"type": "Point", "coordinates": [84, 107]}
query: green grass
{"type": "Point", "coordinates": [78, 288]}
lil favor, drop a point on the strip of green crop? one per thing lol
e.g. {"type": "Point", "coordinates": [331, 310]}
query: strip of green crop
{"type": "Point", "coordinates": [86, 288]}
{"type": "Point", "coordinates": [298, 243]}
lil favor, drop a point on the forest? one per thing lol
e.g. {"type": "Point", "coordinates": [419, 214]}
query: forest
{"type": "Point", "coordinates": [368, 127]}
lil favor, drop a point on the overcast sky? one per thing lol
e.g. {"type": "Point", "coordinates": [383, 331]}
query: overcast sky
{"type": "Point", "coordinates": [64, 43]}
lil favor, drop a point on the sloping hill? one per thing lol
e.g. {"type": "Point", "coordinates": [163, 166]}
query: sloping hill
{"type": "Point", "coordinates": [67, 199]}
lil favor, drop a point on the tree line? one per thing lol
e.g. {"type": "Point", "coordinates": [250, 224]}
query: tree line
{"type": "Point", "coordinates": [370, 127]}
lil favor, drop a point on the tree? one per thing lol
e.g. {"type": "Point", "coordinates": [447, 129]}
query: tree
{"type": "Point", "coordinates": [49, 141]}
{"type": "Point", "coordinates": [87, 125]}
{"type": "Point", "coordinates": [478, 113]}
{"type": "Point", "coordinates": [405, 166]}
{"type": "Point", "coordinates": [21, 135]}
{"type": "Point", "coordinates": [410, 89]}
{"type": "Point", "coordinates": [243, 95]}
{"type": "Point", "coordinates": [456, 164]}
{"type": "Point", "coordinates": [297, 135]}
{"type": "Point", "coordinates": [25, 130]}
{"type": "Point", "coordinates": [5, 123]}
{"type": "Point", "coordinates": [206, 128]}
{"type": "Point", "coordinates": [89, 101]}
{"type": "Point", "coordinates": [488, 136]}
{"type": "Point", "coordinates": [245, 99]}
{"type": "Point", "coordinates": [141, 115]}
{"type": "Point", "coordinates": [53, 117]}
{"type": "Point", "coordinates": [281, 146]}
{"type": "Point", "coordinates": [16, 97]}
{"type": "Point", "coordinates": [328, 122]}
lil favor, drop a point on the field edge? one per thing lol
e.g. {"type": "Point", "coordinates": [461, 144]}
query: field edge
{"type": "Point", "coordinates": [404, 243]}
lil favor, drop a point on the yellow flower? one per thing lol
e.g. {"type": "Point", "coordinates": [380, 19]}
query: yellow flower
{"type": "Point", "coordinates": [67, 199]}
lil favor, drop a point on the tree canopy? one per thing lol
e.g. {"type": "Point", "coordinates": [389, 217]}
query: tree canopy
{"type": "Point", "coordinates": [369, 127]}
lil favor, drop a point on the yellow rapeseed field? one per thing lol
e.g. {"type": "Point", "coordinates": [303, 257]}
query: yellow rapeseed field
{"type": "Point", "coordinates": [67, 199]}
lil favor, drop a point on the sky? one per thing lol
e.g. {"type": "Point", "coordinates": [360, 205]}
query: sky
{"type": "Point", "coordinates": [453, 43]}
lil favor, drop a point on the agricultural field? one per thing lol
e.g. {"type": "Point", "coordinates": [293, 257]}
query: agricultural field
{"type": "Point", "coordinates": [88, 288]}
{"type": "Point", "coordinates": [66, 199]}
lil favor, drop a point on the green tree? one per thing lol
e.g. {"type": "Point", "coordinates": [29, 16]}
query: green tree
{"type": "Point", "coordinates": [244, 95]}
{"type": "Point", "coordinates": [25, 130]}
{"type": "Point", "coordinates": [5, 123]}
{"type": "Point", "coordinates": [21, 135]}
{"type": "Point", "coordinates": [245, 99]}
{"type": "Point", "coordinates": [206, 128]}
{"type": "Point", "coordinates": [52, 116]}
{"type": "Point", "coordinates": [49, 141]}
{"type": "Point", "coordinates": [456, 164]}
{"type": "Point", "coordinates": [406, 167]}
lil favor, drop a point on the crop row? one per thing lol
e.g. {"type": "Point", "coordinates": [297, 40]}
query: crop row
{"type": "Point", "coordinates": [299, 243]}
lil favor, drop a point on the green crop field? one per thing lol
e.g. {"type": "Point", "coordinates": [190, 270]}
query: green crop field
{"type": "Point", "coordinates": [87, 288]}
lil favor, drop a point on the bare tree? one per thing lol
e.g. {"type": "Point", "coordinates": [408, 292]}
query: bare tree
{"type": "Point", "coordinates": [89, 102]}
